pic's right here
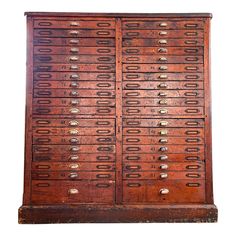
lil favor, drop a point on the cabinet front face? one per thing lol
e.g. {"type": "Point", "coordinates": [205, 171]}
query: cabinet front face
{"type": "Point", "coordinates": [118, 110]}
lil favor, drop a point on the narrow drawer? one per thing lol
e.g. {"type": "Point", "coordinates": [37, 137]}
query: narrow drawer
{"type": "Point", "coordinates": [162, 50]}
{"type": "Point", "coordinates": [162, 33]}
{"type": "Point", "coordinates": [170, 191]}
{"type": "Point", "coordinates": [77, 33]}
{"type": "Point", "coordinates": [83, 59]}
{"type": "Point", "coordinates": [87, 42]}
{"type": "Point", "coordinates": [74, 23]}
{"type": "Point", "coordinates": [61, 192]}
{"type": "Point", "coordinates": [51, 50]}
{"type": "Point", "coordinates": [163, 68]}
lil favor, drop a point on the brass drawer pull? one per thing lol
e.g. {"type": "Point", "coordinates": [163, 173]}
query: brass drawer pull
{"type": "Point", "coordinates": [74, 166]}
{"type": "Point", "coordinates": [163, 140]}
{"type": "Point", "coordinates": [74, 149]}
{"type": "Point", "coordinates": [162, 85]}
{"type": "Point", "coordinates": [162, 59]}
{"type": "Point", "coordinates": [163, 76]}
{"type": "Point", "coordinates": [163, 123]}
{"type": "Point", "coordinates": [163, 149]}
{"type": "Point", "coordinates": [74, 23]}
{"type": "Point", "coordinates": [163, 24]}
{"type": "Point", "coordinates": [74, 84]}
{"type": "Point", "coordinates": [73, 131]}
{"type": "Point", "coordinates": [74, 111]}
{"type": "Point", "coordinates": [163, 68]}
{"type": "Point", "coordinates": [73, 175]}
{"type": "Point", "coordinates": [163, 158]}
{"type": "Point", "coordinates": [74, 58]}
{"type": "Point", "coordinates": [74, 41]}
{"type": "Point", "coordinates": [163, 132]}
{"type": "Point", "coordinates": [74, 140]}
{"type": "Point", "coordinates": [162, 41]}
{"type": "Point", "coordinates": [73, 191]}
{"type": "Point", "coordinates": [74, 32]}
{"type": "Point", "coordinates": [74, 158]}
{"type": "Point", "coordinates": [74, 102]}
{"type": "Point", "coordinates": [73, 123]}
{"type": "Point", "coordinates": [163, 102]}
{"type": "Point", "coordinates": [164, 191]}
{"type": "Point", "coordinates": [163, 175]}
{"type": "Point", "coordinates": [74, 76]}
{"type": "Point", "coordinates": [162, 50]}
{"type": "Point", "coordinates": [163, 111]}
{"type": "Point", "coordinates": [74, 67]}
{"type": "Point", "coordinates": [163, 33]}
{"type": "Point", "coordinates": [162, 94]}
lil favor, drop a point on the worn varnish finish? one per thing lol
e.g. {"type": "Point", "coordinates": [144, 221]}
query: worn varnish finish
{"type": "Point", "coordinates": [118, 119]}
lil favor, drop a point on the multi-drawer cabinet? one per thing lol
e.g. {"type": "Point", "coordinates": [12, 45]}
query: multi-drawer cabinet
{"type": "Point", "coordinates": [118, 119]}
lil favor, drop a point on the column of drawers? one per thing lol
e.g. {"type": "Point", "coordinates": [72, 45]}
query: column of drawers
{"type": "Point", "coordinates": [73, 111]}
{"type": "Point", "coordinates": [163, 110]}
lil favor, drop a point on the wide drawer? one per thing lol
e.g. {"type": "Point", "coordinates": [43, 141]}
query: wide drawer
{"type": "Point", "coordinates": [75, 131]}
{"type": "Point", "coordinates": [162, 68]}
{"type": "Point", "coordinates": [50, 50]}
{"type": "Point", "coordinates": [74, 76]}
{"type": "Point", "coordinates": [164, 131]}
{"type": "Point", "coordinates": [73, 140]}
{"type": "Point", "coordinates": [77, 33]}
{"type": "Point", "coordinates": [73, 149]}
{"type": "Point", "coordinates": [163, 123]}
{"type": "Point", "coordinates": [163, 111]}
{"type": "Point", "coordinates": [62, 122]}
{"type": "Point", "coordinates": [82, 157]}
{"type": "Point", "coordinates": [87, 42]}
{"type": "Point", "coordinates": [164, 148]}
{"type": "Point", "coordinates": [160, 175]}
{"type": "Point", "coordinates": [150, 102]}
{"type": "Point", "coordinates": [72, 166]}
{"type": "Point", "coordinates": [169, 191]}
{"type": "Point", "coordinates": [158, 59]}
{"type": "Point", "coordinates": [77, 59]}
{"type": "Point", "coordinates": [161, 42]}
{"type": "Point", "coordinates": [61, 192]}
{"type": "Point", "coordinates": [75, 23]}
{"type": "Point", "coordinates": [163, 93]}
{"type": "Point", "coordinates": [162, 140]}
{"type": "Point", "coordinates": [157, 158]}
{"type": "Point", "coordinates": [159, 85]}
{"type": "Point", "coordinates": [162, 33]}
{"type": "Point", "coordinates": [74, 93]}
{"type": "Point", "coordinates": [41, 110]}
{"type": "Point", "coordinates": [73, 102]}
{"type": "Point", "coordinates": [162, 76]}
{"type": "Point", "coordinates": [76, 84]}
{"type": "Point", "coordinates": [162, 24]}
{"type": "Point", "coordinates": [162, 50]}
{"type": "Point", "coordinates": [72, 175]}
{"type": "Point", "coordinates": [75, 67]}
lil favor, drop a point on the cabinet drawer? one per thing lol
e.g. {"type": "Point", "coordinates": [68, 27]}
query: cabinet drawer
{"type": "Point", "coordinates": [165, 148]}
{"type": "Point", "coordinates": [160, 175]}
{"type": "Point", "coordinates": [73, 140]}
{"type": "Point", "coordinates": [163, 158]}
{"type": "Point", "coordinates": [165, 111]}
{"type": "Point", "coordinates": [61, 192]}
{"type": "Point", "coordinates": [162, 33]}
{"type": "Point", "coordinates": [162, 42]}
{"type": "Point", "coordinates": [73, 149]}
{"type": "Point", "coordinates": [162, 50]}
{"type": "Point", "coordinates": [74, 76]}
{"type": "Point", "coordinates": [162, 85]}
{"type": "Point", "coordinates": [82, 157]}
{"type": "Point", "coordinates": [77, 33]}
{"type": "Point", "coordinates": [163, 123]}
{"type": "Point", "coordinates": [162, 68]}
{"type": "Point", "coordinates": [162, 24]}
{"type": "Point", "coordinates": [78, 59]}
{"type": "Point", "coordinates": [160, 140]}
{"type": "Point", "coordinates": [75, 23]}
{"type": "Point", "coordinates": [75, 84]}
{"type": "Point", "coordinates": [74, 166]}
{"type": "Point", "coordinates": [51, 50]}
{"type": "Point", "coordinates": [62, 122]}
{"type": "Point", "coordinates": [87, 42]}
{"type": "Point", "coordinates": [170, 191]}
{"type": "Point", "coordinates": [186, 132]}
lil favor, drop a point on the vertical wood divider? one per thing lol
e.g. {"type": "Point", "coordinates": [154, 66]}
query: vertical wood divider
{"type": "Point", "coordinates": [119, 184]}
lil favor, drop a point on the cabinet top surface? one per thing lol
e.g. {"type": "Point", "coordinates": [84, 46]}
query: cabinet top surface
{"type": "Point", "coordinates": [160, 15]}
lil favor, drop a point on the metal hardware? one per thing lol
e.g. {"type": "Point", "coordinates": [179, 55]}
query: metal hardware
{"type": "Point", "coordinates": [163, 166]}
{"type": "Point", "coordinates": [163, 140]}
{"type": "Point", "coordinates": [162, 50]}
{"type": "Point", "coordinates": [163, 175]}
{"type": "Point", "coordinates": [162, 94]}
{"type": "Point", "coordinates": [74, 41]}
{"type": "Point", "coordinates": [74, 149]}
{"type": "Point", "coordinates": [163, 67]}
{"type": "Point", "coordinates": [163, 111]}
{"type": "Point", "coordinates": [162, 102]}
{"type": "Point", "coordinates": [74, 158]}
{"type": "Point", "coordinates": [74, 76]}
{"type": "Point", "coordinates": [74, 140]}
{"type": "Point", "coordinates": [73, 123]}
{"type": "Point", "coordinates": [162, 85]}
{"type": "Point", "coordinates": [74, 84]}
{"type": "Point", "coordinates": [73, 131]}
{"type": "Point", "coordinates": [163, 158]}
{"type": "Point", "coordinates": [74, 166]}
{"type": "Point", "coordinates": [74, 32]}
{"type": "Point", "coordinates": [74, 50]}
{"type": "Point", "coordinates": [73, 23]}
{"type": "Point", "coordinates": [164, 191]}
{"type": "Point", "coordinates": [74, 102]}
{"type": "Point", "coordinates": [162, 33]}
{"type": "Point", "coordinates": [163, 123]}
{"type": "Point", "coordinates": [73, 67]}
{"type": "Point", "coordinates": [74, 111]}
{"type": "Point", "coordinates": [73, 175]}
{"type": "Point", "coordinates": [162, 59]}
{"type": "Point", "coordinates": [163, 24]}
{"type": "Point", "coordinates": [162, 41]}
{"type": "Point", "coordinates": [74, 93]}
{"type": "Point", "coordinates": [163, 149]}
{"type": "Point", "coordinates": [73, 191]}
{"type": "Point", "coordinates": [163, 132]}
{"type": "Point", "coordinates": [74, 58]}
{"type": "Point", "coordinates": [163, 76]}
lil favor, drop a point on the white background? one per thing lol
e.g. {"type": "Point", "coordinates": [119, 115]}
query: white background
{"type": "Point", "coordinates": [12, 92]}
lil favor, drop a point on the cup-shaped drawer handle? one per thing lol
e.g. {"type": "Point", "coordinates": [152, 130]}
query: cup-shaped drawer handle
{"type": "Point", "coordinates": [74, 111]}
{"type": "Point", "coordinates": [74, 58]}
{"type": "Point", "coordinates": [73, 175]}
{"type": "Point", "coordinates": [163, 175]}
{"type": "Point", "coordinates": [73, 191]}
{"type": "Point", "coordinates": [74, 32]}
{"type": "Point", "coordinates": [163, 166]}
{"type": "Point", "coordinates": [164, 191]}
{"type": "Point", "coordinates": [163, 24]}
{"type": "Point", "coordinates": [163, 158]}
{"type": "Point", "coordinates": [163, 123]}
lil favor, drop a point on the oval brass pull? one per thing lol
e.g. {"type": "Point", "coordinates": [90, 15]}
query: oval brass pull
{"type": "Point", "coordinates": [192, 158]}
{"type": "Point", "coordinates": [192, 132]}
{"type": "Point", "coordinates": [73, 131]}
{"type": "Point", "coordinates": [163, 123]}
{"type": "Point", "coordinates": [162, 94]}
{"type": "Point", "coordinates": [74, 76]}
{"type": "Point", "coordinates": [134, 149]}
{"type": "Point", "coordinates": [163, 76]}
{"type": "Point", "coordinates": [103, 24]}
{"type": "Point", "coordinates": [162, 41]}
{"type": "Point", "coordinates": [132, 94]}
{"type": "Point", "coordinates": [163, 175]}
{"type": "Point", "coordinates": [74, 32]}
{"type": "Point", "coordinates": [163, 132]}
{"type": "Point", "coordinates": [73, 175]}
{"type": "Point", "coordinates": [74, 140]}
{"type": "Point", "coordinates": [163, 68]}
{"type": "Point", "coordinates": [163, 140]}
{"type": "Point", "coordinates": [74, 84]}
{"type": "Point", "coordinates": [132, 76]}
{"type": "Point", "coordinates": [74, 110]}
{"type": "Point", "coordinates": [74, 58]}
{"type": "Point", "coordinates": [74, 23]}
{"type": "Point", "coordinates": [164, 191]}
{"type": "Point", "coordinates": [193, 167]}
{"type": "Point", "coordinates": [163, 158]}
{"type": "Point", "coordinates": [191, 25]}
{"type": "Point", "coordinates": [193, 175]}
{"type": "Point", "coordinates": [74, 166]}
{"type": "Point", "coordinates": [162, 50]}
{"type": "Point", "coordinates": [74, 158]}
{"type": "Point", "coordinates": [102, 185]}
{"type": "Point", "coordinates": [192, 110]}
{"type": "Point", "coordinates": [162, 59]}
{"type": "Point", "coordinates": [163, 149]}
{"type": "Point", "coordinates": [133, 131]}
{"type": "Point", "coordinates": [74, 102]}
{"type": "Point", "coordinates": [163, 111]}
{"type": "Point", "coordinates": [103, 176]}
{"type": "Point", "coordinates": [74, 41]}
{"type": "Point", "coordinates": [74, 149]}
{"type": "Point", "coordinates": [163, 33]}
{"type": "Point", "coordinates": [73, 123]}
{"type": "Point", "coordinates": [74, 67]}
{"type": "Point", "coordinates": [162, 85]}
{"type": "Point", "coordinates": [163, 24]}
{"type": "Point", "coordinates": [103, 32]}
{"type": "Point", "coordinates": [73, 191]}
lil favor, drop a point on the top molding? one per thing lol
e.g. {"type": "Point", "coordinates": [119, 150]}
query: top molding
{"type": "Point", "coordinates": [143, 15]}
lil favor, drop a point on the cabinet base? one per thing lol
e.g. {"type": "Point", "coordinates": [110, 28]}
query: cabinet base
{"type": "Point", "coordinates": [45, 214]}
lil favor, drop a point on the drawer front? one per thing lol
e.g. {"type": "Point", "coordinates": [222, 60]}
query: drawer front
{"type": "Point", "coordinates": [61, 192]}
{"type": "Point", "coordinates": [74, 23]}
{"type": "Point", "coordinates": [163, 123]}
{"type": "Point", "coordinates": [74, 76]}
{"type": "Point", "coordinates": [162, 50]}
{"type": "Point", "coordinates": [51, 50]}
{"type": "Point", "coordinates": [87, 42]}
{"type": "Point", "coordinates": [82, 157]}
{"type": "Point", "coordinates": [162, 158]}
{"type": "Point", "coordinates": [172, 191]}
{"type": "Point", "coordinates": [72, 175]}
{"type": "Point", "coordinates": [77, 33]}
{"type": "Point", "coordinates": [159, 34]}
{"type": "Point", "coordinates": [162, 24]}
{"type": "Point", "coordinates": [79, 59]}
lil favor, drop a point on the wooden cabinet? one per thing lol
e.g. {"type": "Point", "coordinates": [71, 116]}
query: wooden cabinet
{"type": "Point", "coordinates": [118, 119]}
